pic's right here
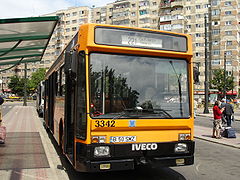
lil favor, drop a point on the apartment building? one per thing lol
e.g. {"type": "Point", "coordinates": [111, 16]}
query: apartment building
{"type": "Point", "coordinates": [70, 19]}
{"type": "Point", "coordinates": [132, 13]}
{"type": "Point", "coordinates": [186, 16]}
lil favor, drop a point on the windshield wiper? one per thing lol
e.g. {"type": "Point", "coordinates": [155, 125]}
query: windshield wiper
{"type": "Point", "coordinates": [119, 115]}
{"type": "Point", "coordinates": [179, 87]}
{"type": "Point", "coordinates": [141, 111]}
{"type": "Point", "coordinates": [126, 112]}
{"type": "Point", "coordinates": [154, 111]}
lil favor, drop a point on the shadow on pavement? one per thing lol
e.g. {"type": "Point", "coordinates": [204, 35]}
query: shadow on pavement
{"type": "Point", "coordinates": [140, 173]}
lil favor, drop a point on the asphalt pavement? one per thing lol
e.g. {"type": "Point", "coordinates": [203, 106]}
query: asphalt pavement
{"type": "Point", "coordinates": [42, 162]}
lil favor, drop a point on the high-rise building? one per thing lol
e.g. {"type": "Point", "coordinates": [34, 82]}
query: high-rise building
{"type": "Point", "coordinates": [222, 32]}
{"type": "Point", "coordinates": [186, 16]}
{"type": "Point", "coordinates": [70, 20]}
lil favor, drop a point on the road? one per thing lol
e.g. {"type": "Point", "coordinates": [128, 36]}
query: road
{"type": "Point", "coordinates": [212, 161]}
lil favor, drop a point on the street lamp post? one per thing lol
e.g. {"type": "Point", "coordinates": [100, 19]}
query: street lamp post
{"type": "Point", "coordinates": [25, 86]}
{"type": "Point", "coordinates": [206, 111]}
{"type": "Point", "coordinates": [224, 76]}
{"type": "Point", "coordinates": [210, 37]}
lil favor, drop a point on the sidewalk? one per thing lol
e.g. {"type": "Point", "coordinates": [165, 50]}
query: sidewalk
{"type": "Point", "coordinates": [205, 133]}
{"type": "Point", "coordinates": [199, 112]}
{"type": "Point", "coordinates": [28, 152]}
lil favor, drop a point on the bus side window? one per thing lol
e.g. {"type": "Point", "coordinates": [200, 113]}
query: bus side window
{"type": "Point", "coordinates": [62, 87]}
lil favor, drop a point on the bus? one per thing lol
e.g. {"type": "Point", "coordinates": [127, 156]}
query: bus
{"type": "Point", "coordinates": [118, 97]}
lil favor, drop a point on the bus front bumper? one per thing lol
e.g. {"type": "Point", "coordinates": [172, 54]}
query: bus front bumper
{"type": "Point", "coordinates": [129, 164]}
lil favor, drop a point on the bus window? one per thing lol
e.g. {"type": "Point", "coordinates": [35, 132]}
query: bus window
{"type": "Point", "coordinates": [123, 82]}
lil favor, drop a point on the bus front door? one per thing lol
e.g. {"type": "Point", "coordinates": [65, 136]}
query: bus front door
{"type": "Point", "coordinates": [69, 109]}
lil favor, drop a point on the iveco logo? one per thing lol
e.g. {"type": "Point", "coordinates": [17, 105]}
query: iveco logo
{"type": "Point", "coordinates": [149, 146]}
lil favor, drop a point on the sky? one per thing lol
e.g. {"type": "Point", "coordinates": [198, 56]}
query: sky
{"type": "Point", "coordinates": [32, 8]}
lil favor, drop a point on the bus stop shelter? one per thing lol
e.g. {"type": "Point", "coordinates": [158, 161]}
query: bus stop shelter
{"type": "Point", "coordinates": [24, 40]}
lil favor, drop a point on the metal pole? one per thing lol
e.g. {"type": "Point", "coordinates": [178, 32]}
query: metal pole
{"type": "Point", "coordinates": [206, 111]}
{"type": "Point", "coordinates": [233, 82]}
{"type": "Point", "coordinates": [210, 37]}
{"type": "Point", "coordinates": [224, 75]}
{"type": "Point", "coordinates": [25, 86]}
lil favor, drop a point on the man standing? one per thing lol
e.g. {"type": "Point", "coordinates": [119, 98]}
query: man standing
{"type": "Point", "coordinates": [228, 112]}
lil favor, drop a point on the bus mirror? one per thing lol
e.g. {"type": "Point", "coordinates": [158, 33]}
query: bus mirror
{"type": "Point", "coordinates": [72, 75]}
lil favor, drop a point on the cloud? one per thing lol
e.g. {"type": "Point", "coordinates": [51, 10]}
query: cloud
{"type": "Point", "coordinates": [96, 3]}
{"type": "Point", "coordinates": [29, 8]}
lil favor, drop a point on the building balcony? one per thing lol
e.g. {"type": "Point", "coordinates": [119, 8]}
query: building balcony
{"type": "Point", "coordinates": [177, 3]}
{"type": "Point", "coordinates": [177, 21]}
{"type": "Point", "coordinates": [143, 7]}
{"type": "Point", "coordinates": [144, 24]}
{"type": "Point", "coordinates": [165, 5]}
{"type": "Point", "coordinates": [144, 16]}
{"type": "Point", "coordinates": [178, 11]}
{"type": "Point", "coordinates": [119, 18]}
{"type": "Point", "coordinates": [165, 27]}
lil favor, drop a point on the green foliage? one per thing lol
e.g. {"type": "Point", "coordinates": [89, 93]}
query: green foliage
{"type": "Point", "coordinates": [37, 77]}
{"type": "Point", "coordinates": [17, 84]}
{"type": "Point", "coordinates": [219, 83]}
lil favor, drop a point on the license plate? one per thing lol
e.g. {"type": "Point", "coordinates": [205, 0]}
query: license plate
{"type": "Point", "coordinates": [119, 139]}
{"type": "Point", "coordinates": [180, 161]}
{"type": "Point", "coordinates": [105, 166]}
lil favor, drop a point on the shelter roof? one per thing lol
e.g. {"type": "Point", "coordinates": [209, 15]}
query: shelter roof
{"type": "Point", "coordinates": [25, 39]}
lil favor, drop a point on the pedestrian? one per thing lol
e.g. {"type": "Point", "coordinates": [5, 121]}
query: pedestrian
{"type": "Point", "coordinates": [223, 102]}
{"type": "Point", "coordinates": [217, 122]}
{"type": "Point", "coordinates": [1, 102]}
{"type": "Point", "coordinates": [228, 112]}
{"type": "Point", "coordinates": [2, 128]}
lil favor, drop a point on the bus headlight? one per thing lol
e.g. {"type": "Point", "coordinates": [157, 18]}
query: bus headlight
{"type": "Point", "coordinates": [98, 139]}
{"type": "Point", "coordinates": [181, 148]}
{"type": "Point", "coordinates": [101, 151]}
{"type": "Point", "coordinates": [182, 137]}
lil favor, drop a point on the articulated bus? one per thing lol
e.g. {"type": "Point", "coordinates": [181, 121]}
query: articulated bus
{"type": "Point", "coordinates": [118, 97]}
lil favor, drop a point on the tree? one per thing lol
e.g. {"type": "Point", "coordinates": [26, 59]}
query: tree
{"type": "Point", "coordinates": [36, 78]}
{"type": "Point", "coordinates": [219, 83]}
{"type": "Point", "coordinates": [16, 85]}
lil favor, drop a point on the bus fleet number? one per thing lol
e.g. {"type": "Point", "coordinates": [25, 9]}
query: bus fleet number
{"type": "Point", "coordinates": [101, 123]}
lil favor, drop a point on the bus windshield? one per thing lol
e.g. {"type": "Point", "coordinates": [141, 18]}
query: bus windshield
{"type": "Point", "coordinates": [128, 86]}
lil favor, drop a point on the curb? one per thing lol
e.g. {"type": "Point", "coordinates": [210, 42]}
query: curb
{"type": "Point", "coordinates": [217, 142]}
{"type": "Point", "coordinates": [207, 115]}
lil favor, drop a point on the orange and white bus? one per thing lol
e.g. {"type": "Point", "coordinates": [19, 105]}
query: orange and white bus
{"type": "Point", "coordinates": [118, 97]}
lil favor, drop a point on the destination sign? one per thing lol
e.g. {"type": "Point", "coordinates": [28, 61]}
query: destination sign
{"type": "Point", "coordinates": [140, 39]}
